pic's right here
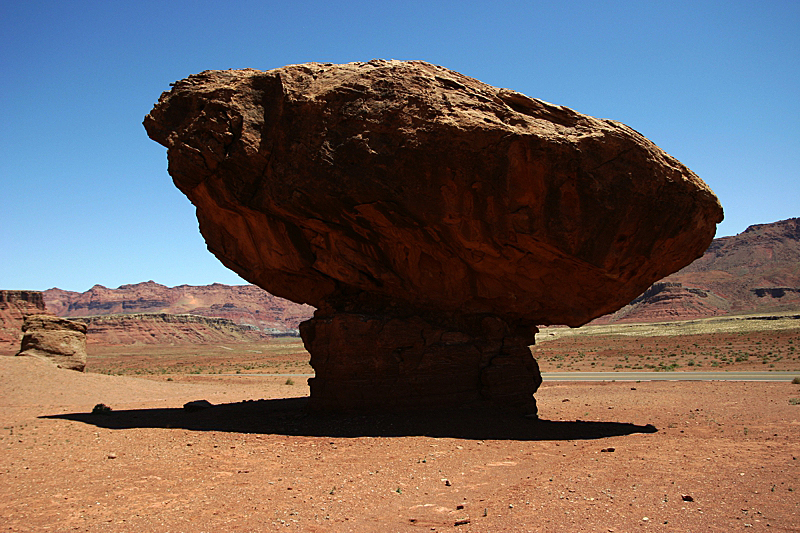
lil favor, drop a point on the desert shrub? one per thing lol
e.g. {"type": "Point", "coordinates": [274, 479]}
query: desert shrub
{"type": "Point", "coordinates": [289, 381]}
{"type": "Point", "coordinates": [796, 381]}
{"type": "Point", "coordinates": [101, 409]}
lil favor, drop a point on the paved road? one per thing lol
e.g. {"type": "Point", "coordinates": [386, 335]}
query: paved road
{"type": "Point", "coordinates": [262, 375]}
{"type": "Point", "coordinates": [669, 376]}
{"type": "Point", "coordinates": [628, 376]}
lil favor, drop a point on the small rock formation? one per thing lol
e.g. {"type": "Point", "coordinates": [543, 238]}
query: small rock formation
{"type": "Point", "coordinates": [668, 301]}
{"type": "Point", "coordinates": [432, 219]}
{"type": "Point", "coordinates": [55, 339]}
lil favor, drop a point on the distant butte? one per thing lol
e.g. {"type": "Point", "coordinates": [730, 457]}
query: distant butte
{"type": "Point", "coordinates": [432, 219]}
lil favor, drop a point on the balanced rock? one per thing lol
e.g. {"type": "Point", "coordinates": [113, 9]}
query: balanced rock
{"type": "Point", "coordinates": [432, 219]}
{"type": "Point", "coordinates": [55, 339]}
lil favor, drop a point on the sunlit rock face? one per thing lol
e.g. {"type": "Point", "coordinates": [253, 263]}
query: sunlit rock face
{"type": "Point", "coordinates": [14, 307]}
{"type": "Point", "coordinates": [432, 219]}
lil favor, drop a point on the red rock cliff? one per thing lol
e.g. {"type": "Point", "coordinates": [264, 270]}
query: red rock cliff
{"type": "Point", "coordinates": [14, 307]}
{"type": "Point", "coordinates": [247, 305]}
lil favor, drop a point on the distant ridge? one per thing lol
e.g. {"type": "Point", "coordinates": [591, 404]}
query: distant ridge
{"type": "Point", "coordinates": [245, 305]}
{"type": "Point", "coordinates": [757, 270]}
{"type": "Point", "coordinates": [165, 328]}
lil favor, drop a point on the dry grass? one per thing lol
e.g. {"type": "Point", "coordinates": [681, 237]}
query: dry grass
{"type": "Point", "coordinates": [722, 324]}
{"type": "Point", "coordinates": [285, 355]}
{"type": "Point", "coordinates": [739, 343]}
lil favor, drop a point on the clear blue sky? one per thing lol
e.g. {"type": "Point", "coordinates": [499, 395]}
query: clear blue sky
{"type": "Point", "coordinates": [86, 197]}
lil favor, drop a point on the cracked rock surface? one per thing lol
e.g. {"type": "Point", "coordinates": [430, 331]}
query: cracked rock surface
{"type": "Point", "coordinates": [432, 219]}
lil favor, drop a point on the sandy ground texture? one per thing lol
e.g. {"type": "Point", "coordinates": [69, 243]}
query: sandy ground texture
{"type": "Point", "coordinates": [608, 457]}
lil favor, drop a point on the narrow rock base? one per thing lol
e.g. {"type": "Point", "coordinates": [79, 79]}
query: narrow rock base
{"type": "Point", "coordinates": [373, 362]}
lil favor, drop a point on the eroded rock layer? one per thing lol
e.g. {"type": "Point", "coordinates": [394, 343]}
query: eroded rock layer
{"type": "Point", "coordinates": [165, 328]}
{"type": "Point", "coordinates": [247, 305]}
{"type": "Point", "coordinates": [402, 191]}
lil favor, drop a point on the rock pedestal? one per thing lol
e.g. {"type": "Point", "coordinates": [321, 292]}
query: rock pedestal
{"type": "Point", "coordinates": [410, 204]}
{"type": "Point", "coordinates": [367, 361]}
{"type": "Point", "coordinates": [54, 339]}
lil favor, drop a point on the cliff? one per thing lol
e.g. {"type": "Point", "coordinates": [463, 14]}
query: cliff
{"type": "Point", "coordinates": [14, 307]}
{"type": "Point", "coordinates": [246, 305]}
{"type": "Point", "coordinates": [165, 328]}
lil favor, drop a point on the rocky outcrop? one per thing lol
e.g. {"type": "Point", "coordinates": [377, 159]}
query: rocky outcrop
{"type": "Point", "coordinates": [775, 292]}
{"type": "Point", "coordinates": [55, 339]}
{"type": "Point", "coordinates": [432, 219]}
{"type": "Point", "coordinates": [247, 305]}
{"type": "Point", "coordinates": [667, 301]}
{"type": "Point", "coordinates": [14, 307]}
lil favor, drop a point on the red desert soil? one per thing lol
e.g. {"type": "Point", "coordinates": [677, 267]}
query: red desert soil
{"type": "Point", "coordinates": [609, 457]}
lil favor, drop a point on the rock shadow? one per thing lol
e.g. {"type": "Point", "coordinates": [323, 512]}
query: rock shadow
{"type": "Point", "coordinates": [290, 416]}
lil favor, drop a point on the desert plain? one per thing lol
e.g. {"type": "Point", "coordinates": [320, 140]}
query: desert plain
{"type": "Point", "coordinates": [611, 456]}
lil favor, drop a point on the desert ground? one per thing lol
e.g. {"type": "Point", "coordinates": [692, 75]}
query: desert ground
{"type": "Point", "coordinates": [604, 456]}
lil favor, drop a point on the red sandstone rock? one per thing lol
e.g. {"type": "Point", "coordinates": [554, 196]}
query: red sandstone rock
{"type": "Point", "coordinates": [368, 360]}
{"type": "Point", "coordinates": [14, 307]}
{"type": "Point", "coordinates": [407, 195]}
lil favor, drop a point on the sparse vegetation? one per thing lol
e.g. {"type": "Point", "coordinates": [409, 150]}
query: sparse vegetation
{"type": "Point", "coordinates": [101, 409]}
{"type": "Point", "coordinates": [278, 356]}
{"type": "Point", "coordinates": [724, 344]}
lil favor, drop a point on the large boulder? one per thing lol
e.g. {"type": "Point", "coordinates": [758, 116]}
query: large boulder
{"type": "Point", "coordinates": [55, 339]}
{"type": "Point", "coordinates": [432, 219]}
